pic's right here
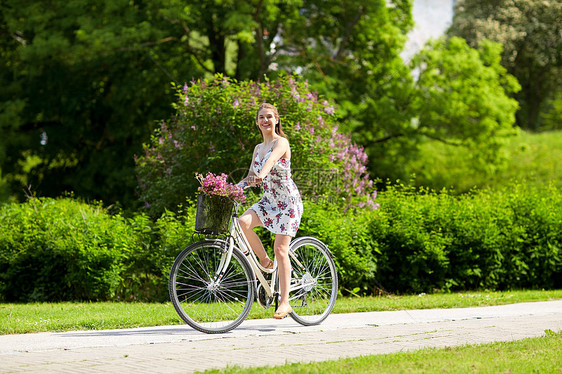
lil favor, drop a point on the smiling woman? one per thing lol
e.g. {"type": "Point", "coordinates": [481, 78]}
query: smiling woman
{"type": "Point", "coordinates": [280, 208]}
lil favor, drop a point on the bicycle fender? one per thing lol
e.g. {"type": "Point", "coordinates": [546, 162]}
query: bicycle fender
{"type": "Point", "coordinates": [316, 240]}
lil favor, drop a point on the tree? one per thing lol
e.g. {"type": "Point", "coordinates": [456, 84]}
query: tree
{"type": "Point", "coordinates": [85, 80]}
{"type": "Point", "coordinates": [462, 96]}
{"type": "Point", "coordinates": [459, 96]}
{"type": "Point", "coordinates": [350, 52]}
{"type": "Point", "coordinates": [530, 32]}
{"type": "Point", "coordinates": [81, 82]}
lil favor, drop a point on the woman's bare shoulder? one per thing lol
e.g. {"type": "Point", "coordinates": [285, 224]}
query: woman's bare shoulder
{"type": "Point", "coordinates": [282, 142]}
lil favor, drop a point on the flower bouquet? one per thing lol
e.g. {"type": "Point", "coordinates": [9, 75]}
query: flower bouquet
{"type": "Point", "coordinates": [214, 205]}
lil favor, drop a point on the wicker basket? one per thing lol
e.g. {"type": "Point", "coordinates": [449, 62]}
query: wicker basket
{"type": "Point", "coordinates": [213, 214]}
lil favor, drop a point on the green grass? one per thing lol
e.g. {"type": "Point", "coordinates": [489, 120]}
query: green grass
{"type": "Point", "coordinates": [38, 317]}
{"type": "Point", "coordinates": [531, 355]}
{"type": "Point", "coordinates": [533, 158]}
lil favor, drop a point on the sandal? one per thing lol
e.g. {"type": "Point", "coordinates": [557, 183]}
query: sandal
{"type": "Point", "coordinates": [281, 315]}
{"type": "Point", "coordinates": [268, 265]}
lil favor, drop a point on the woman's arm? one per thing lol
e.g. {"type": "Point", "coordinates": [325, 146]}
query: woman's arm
{"type": "Point", "coordinates": [280, 147]}
{"type": "Point", "coordinates": [251, 174]}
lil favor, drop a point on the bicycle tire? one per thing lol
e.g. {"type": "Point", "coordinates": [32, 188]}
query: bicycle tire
{"type": "Point", "coordinates": [206, 306]}
{"type": "Point", "coordinates": [317, 284]}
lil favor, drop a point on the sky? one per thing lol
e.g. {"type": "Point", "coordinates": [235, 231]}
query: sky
{"type": "Point", "coordinates": [431, 17]}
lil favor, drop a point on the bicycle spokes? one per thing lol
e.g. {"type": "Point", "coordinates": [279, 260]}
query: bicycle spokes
{"type": "Point", "coordinates": [210, 294]}
{"type": "Point", "coordinates": [314, 286]}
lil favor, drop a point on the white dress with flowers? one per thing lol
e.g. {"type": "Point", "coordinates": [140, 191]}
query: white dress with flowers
{"type": "Point", "coordinates": [280, 208]}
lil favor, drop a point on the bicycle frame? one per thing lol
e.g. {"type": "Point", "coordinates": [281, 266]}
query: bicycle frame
{"type": "Point", "coordinates": [237, 239]}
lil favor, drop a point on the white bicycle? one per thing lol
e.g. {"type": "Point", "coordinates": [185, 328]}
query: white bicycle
{"type": "Point", "coordinates": [213, 283]}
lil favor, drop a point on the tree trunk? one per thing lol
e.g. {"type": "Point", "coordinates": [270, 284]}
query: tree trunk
{"type": "Point", "coordinates": [217, 46]}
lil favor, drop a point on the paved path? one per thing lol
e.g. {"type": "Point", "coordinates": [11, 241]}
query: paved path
{"type": "Point", "coordinates": [180, 349]}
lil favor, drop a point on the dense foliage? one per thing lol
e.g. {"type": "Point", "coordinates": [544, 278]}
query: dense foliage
{"type": "Point", "coordinates": [460, 96]}
{"type": "Point", "coordinates": [529, 31]}
{"type": "Point", "coordinates": [62, 250]}
{"type": "Point", "coordinates": [214, 130]}
{"type": "Point", "coordinates": [83, 81]}
{"type": "Point", "coordinates": [511, 238]}
{"type": "Point", "coordinates": [418, 241]}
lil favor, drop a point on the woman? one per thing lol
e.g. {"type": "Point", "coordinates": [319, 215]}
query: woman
{"type": "Point", "coordinates": [280, 208]}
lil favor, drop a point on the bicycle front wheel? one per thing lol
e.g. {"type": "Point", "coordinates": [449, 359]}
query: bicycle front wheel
{"type": "Point", "coordinates": [314, 282]}
{"type": "Point", "coordinates": [204, 301]}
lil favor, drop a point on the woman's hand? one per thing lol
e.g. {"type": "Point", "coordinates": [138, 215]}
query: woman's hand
{"type": "Point", "coordinates": [254, 181]}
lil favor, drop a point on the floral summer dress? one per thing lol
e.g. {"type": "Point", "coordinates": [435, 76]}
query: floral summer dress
{"type": "Point", "coordinates": [280, 208]}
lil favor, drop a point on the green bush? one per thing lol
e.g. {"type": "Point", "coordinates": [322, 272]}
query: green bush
{"type": "Point", "coordinates": [349, 239]}
{"type": "Point", "coordinates": [62, 249]}
{"type": "Point", "coordinates": [146, 275]}
{"type": "Point", "coordinates": [423, 241]}
{"type": "Point", "coordinates": [504, 239]}
{"type": "Point", "coordinates": [418, 241]}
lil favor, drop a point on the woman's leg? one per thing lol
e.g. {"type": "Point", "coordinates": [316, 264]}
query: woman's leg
{"type": "Point", "coordinates": [281, 247]}
{"type": "Point", "coordinates": [248, 221]}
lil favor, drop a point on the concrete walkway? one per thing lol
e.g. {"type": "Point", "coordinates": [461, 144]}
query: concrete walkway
{"type": "Point", "coordinates": [180, 349]}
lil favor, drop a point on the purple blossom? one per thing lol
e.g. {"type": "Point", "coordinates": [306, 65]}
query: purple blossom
{"type": "Point", "coordinates": [185, 88]}
{"type": "Point", "coordinates": [334, 130]}
{"type": "Point", "coordinates": [236, 103]}
{"type": "Point", "coordinates": [298, 126]}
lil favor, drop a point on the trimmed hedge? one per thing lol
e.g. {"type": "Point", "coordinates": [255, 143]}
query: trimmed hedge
{"type": "Point", "coordinates": [418, 241]}
{"type": "Point", "coordinates": [497, 240]}
{"type": "Point", "coordinates": [423, 241]}
{"type": "Point", "coordinates": [62, 250]}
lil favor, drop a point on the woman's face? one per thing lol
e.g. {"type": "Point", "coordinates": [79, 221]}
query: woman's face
{"type": "Point", "coordinates": [266, 121]}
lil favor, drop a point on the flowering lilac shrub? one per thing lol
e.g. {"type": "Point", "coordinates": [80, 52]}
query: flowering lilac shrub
{"type": "Point", "coordinates": [213, 129]}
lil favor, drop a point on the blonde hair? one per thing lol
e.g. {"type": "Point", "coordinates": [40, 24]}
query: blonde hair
{"type": "Point", "coordinates": [278, 127]}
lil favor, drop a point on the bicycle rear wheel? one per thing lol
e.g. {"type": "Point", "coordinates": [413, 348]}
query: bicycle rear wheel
{"type": "Point", "coordinates": [314, 282]}
{"type": "Point", "coordinates": [203, 302]}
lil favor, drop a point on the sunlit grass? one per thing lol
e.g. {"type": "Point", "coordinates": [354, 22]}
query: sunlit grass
{"type": "Point", "coordinates": [530, 158]}
{"type": "Point", "coordinates": [531, 355]}
{"type": "Point", "coordinates": [37, 317]}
